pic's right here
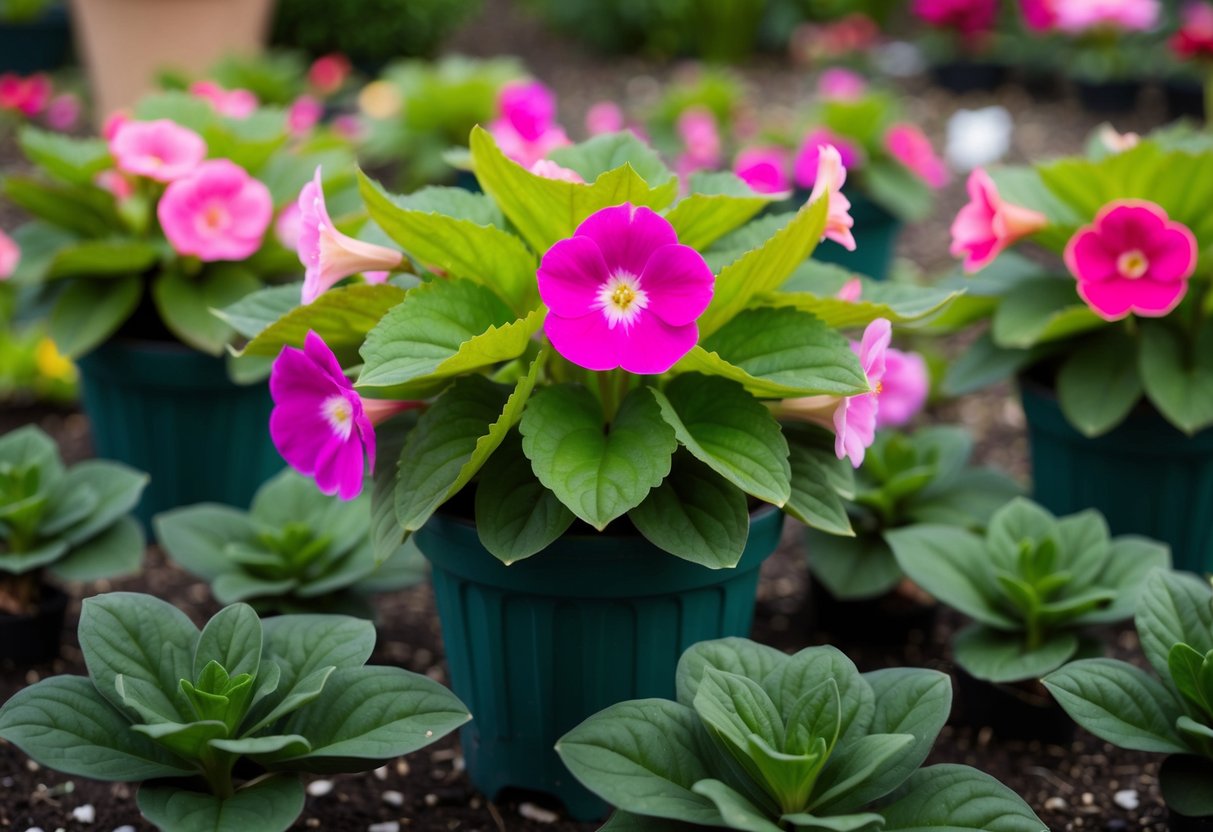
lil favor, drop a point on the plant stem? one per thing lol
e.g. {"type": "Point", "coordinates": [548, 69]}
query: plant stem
{"type": "Point", "coordinates": [1035, 633]}
{"type": "Point", "coordinates": [1209, 99]}
{"type": "Point", "coordinates": [217, 769]}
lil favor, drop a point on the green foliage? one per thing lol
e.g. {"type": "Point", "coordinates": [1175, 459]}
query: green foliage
{"type": "Point", "coordinates": [1032, 584]}
{"type": "Point", "coordinates": [761, 741]}
{"type": "Point", "coordinates": [283, 697]}
{"type": "Point", "coordinates": [294, 550]}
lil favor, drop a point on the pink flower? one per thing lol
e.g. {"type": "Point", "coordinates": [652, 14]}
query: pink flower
{"type": "Point", "coordinates": [987, 225]}
{"type": "Point", "coordinates": [604, 117]}
{"type": "Point", "coordinates": [1077, 17]}
{"type": "Point", "coordinates": [622, 292]}
{"type": "Point", "coordinates": [303, 114]}
{"type": "Point", "coordinates": [840, 84]}
{"type": "Point", "coordinates": [804, 168]}
{"type": "Point", "coordinates": [528, 107]}
{"type": "Point", "coordinates": [904, 389]}
{"type": "Point", "coordinates": [550, 170]}
{"type": "Point", "coordinates": [1133, 258]}
{"type": "Point", "coordinates": [1194, 39]}
{"type": "Point", "coordinates": [701, 141]}
{"type": "Point", "coordinates": [63, 112]}
{"type": "Point", "coordinates": [1038, 15]}
{"type": "Point", "coordinates": [910, 146]}
{"type": "Point", "coordinates": [349, 127]}
{"type": "Point", "coordinates": [328, 73]}
{"type": "Point", "coordinates": [118, 185]}
{"type": "Point", "coordinates": [113, 122]}
{"type": "Point", "coordinates": [230, 103]}
{"type": "Point", "coordinates": [328, 255]}
{"type": "Point", "coordinates": [764, 169]}
{"type": "Point", "coordinates": [288, 225]}
{"type": "Point", "coordinates": [28, 96]}
{"type": "Point", "coordinates": [10, 256]}
{"type": "Point", "coordinates": [967, 17]}
{"type": "Point", "coordinates": [376, 276]}
{"type": "Point", "coordinates": [855, 416]}
{"type": "Point", "coordinates": [218, 212]}
{"type": "Point", "coordinates": [1117, 142]}
{"type": "Point", "coordinates": [831, 176]}
{"type": "Point", "coordinates": [850, 291]}
{"type": "Point", "coordinates": [160, 150]}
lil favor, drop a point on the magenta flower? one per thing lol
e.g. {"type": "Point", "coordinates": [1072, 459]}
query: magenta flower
{"type": "Point", "coordinates": [303, 114]}
{"type": "Point", "coordinates": [839, 84]}
{"type": "Point", "coordinates": [526, 129]}
{"type": "Point", "coordinates": [328, 255]}
{"type": "Point", "coordinates": [550, 170]}
{"type": "Point", "coordinates": [230, 103]}
{"type": "Point", "coordinates": [764, 169]}
{"type": "Point", "coordinates": [63, 112]}
{"type": "Point", "coordinates": [218, 212]}
{"type": "Point", "coordinates": [113, 122]}
{"type": "Point", "coordinates": [967, 17]}
{"type": "Point", "coordinates": [701, 141]}
{"type": "Point", "coordinates": [328, 73]}
{"type": "Point", "coordinates": [1038, 15]}
{"type": "Point", "coordinates": [1194, 39]}
{"type": "Point", "coordinates": [1132, 259]}
{"type": "Point", "coordinates": [162, 149]}
{"type": "Point", "coordinates": [10, 256]}
{"type": "Point", "coordinates": [988, 224]}
{"type": "Point", "coordinates": [28, 95]}
{"type": "Point", "coordinates": [831, 176]}
{"type": "Point", "coordinates": [604, 117]}
{"type": "Point", "coordinates": [622, 292]}
{"type": "Point", "coordinates": [804, 168]}
{"type": "Point", "coordinates": [904, 388]}
{"type": "Point", "coordinates": [909, 145]}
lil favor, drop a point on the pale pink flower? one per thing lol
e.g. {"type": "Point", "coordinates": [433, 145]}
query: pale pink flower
{"type": "Point", "coordinates": [328, 255]}
{"type": "Point", "coordinates": [162, 150]}
{"type": "Point", "coordinates": [988, 224]}
{"type": "Point", "coordinates": [851, 290]}
{"type": "Point", "coordinates": [349, 127]}
{"type": "Point", "coordinates": [303, 114]}
{"type": "Point", "coordinates": [10, 256]}
{"type": "Point", "coordinates": [1132, 259]}
{"type": "Point", "coordinates": [700, 136]}
{"type": "Point", "coordinates": [218, 212]}
{"type": "Point", "coordinates": [63, 112]}
{"type": "Point", "coordinates": [1117, 142]}
{"type": "Point", "coordinates": [235, 103]}
{"type": "Point", "coordinates": [804, 168]}
{"type": "Point", "coordinates": [1077, 17]}
{"type": "Point", "coordinates": [909, 145]}
{"type": "Point", "coordinates": [831, 176]}
{"type": "Point", "coordinates": [550, 170]}
{"type": "Point", "coordinates": [120, 186]}
{"type": "Point", "coordinates": [764, 169]}
{"type": "Point", "coordinates": [839, 84]}
{"type": "Point", "coordinates": [622, 292]}
{"type": "Point", "coordinates": [288, 225]}
{"type": "Point", "coordinates": [328, 73]}
{"type": "Point", "coordinates": [376, 276]}
{"type": "Point", "coordinates": [904, 388]}
{"type": "Point", "coordinates": [604, 117]}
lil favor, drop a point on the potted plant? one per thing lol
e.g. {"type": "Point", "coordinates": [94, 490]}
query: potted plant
{"type": "Point", "coordinates": [759, 740]}
{"type": "Point", "coordinates": [216, 726]}
{"type": "Point", "coordinates": [295, 550]}
{"type": "Point", "coordinates": [1169, 714]}
{"type": "Point", "coordinates": [1191, 48]}
{"type": "Point", "coordinates": [133, 241]}
{"type": "Point", "coordinates": [1107, 340]}
{"type": "Point", "coordinates": [69, 522]}
{"type": "Point", "coordinates": [960, 43]}
{"type": "Point", "coordinates": [34, 36]}
{"type": "Point", "coordinates": [1111, 52]}
{"type": "Point", "coordinates": [1032, 585]}
{"type": "Point", "coordinates": [605, 501]}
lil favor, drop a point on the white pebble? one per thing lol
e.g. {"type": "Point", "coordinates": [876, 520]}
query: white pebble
{"type": "Point", "coordinates": [537, 813]}
{"type": "Point", "coordinates": [319, 788]}
{"type": "Point", "coordinates": [1055, 804]}
{"type": "Point", "coordinates": [34, 829]}
{"type": "Point", "coordinates": [381, 773]}
{"type": "Point", "coordinates": [1126, 799]}
{"type": "Point", "coordinates": [393, 798]}
{"type": "Point", "coordinates": [85, 813]}
{"type": "Point", "coordinates": [386, 826]}
{"type": "Point", "coordinates": [125, 829]}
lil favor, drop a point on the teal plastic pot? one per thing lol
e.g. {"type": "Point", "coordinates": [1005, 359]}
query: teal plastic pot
{"type": "Point", "coordinates": [1145, 476]}
{"type": "Point", "coordinates": [536, 647]}
{"type": "Point", "coordinates": [174, 413]}
{"type": "Point", "coordinates": [875, 231]}
{"type": "Point", "coordinates": [40, 45]}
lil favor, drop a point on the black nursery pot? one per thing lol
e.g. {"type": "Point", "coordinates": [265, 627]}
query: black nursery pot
{"type": "Point", "coordinates": [1022, 711]}
{"type": "Point", "coordinates": [34, 639]}
{"type": "Point", "coordinates": [1185, 98]}
{"type": "Point", "coordinates": [884, 621]}
{"type": "Point", "coordinates": [1183, 823]}
{"type": "Point", "coordinates": [1108, 97]}
{"type": "Point", "coordinates": [969, 76]}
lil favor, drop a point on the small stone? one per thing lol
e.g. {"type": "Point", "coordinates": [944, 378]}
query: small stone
{"type": "Point", "coordinates": [34, 829]}
{"type": "Point", "coordinates": [127, 828]}
{"type": "Point", "coordinates": [381, 773]}
{"type": "Point", "coordinates": [393, 798]}
{"type": "Point", "coordinates": [1126, 799]}
{"type": "Point", "coordinates": [32, 766]}
{"type": "Point", "coordinates": [1088, 799]}
{"type": "Point", "coordinates": [537, 813]}
{"type": "Point", "coordinates": [85, 813]}
{"type": "Point", "coordinates": [7, 782]}
{"type": "Point", "coordinates": [1055, 804]}
{"type": "Point", "coordinates": [431, 800]}
{"type": "Point", "coordinates": [386, 826]}
{"type": "Point", "coordinates": [319, 788]}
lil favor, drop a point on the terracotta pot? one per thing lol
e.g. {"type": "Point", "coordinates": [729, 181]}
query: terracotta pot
{"type": "Point", "coordinates": [125, 43]}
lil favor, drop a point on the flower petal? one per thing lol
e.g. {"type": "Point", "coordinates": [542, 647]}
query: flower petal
{"type": "Point", "coordinates": [678, 283]}
{"type": "Point", "coordinates": [319, 352]}
{"type": "Point", "coordinates": [570, 275]}
{"type": "Point", "coordinates": [587, 341]}
{"type": "Point", "coordinates": [627, 236]}
{"type": "Point", "coordinates": [1172, 254]}
{"type": "Point", "coordinates": [653, 346]}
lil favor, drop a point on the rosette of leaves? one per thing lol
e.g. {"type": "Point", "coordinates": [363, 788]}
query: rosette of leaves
{"type": "Point", "coordinates": [1171, 713]}
{"type": "Point", "coordinates": [543, 442]}
{"type": "Point", "coordinates": [1032, 585]}
{"type": "Point", "coordinates": [217, 726]}
{"type": "Point", "coordinates": [765, 742]}
{"type": "Point", "coordinates": [70, 522]}
{"type": "Point", "coordinates": [294, 550]}
{"type": "Point", "coordinates": [905, 480]}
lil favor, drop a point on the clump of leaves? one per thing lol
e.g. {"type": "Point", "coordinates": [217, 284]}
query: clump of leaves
{"type": "Point", "coordinates": [762, 741]}
{"type": "Point", "coordinates": [1031, 585]}
{"type": "Point", "coordinates": [294, 550]}
{"type": "Point", "coordinates": [1170, 714]}
{"type": "Point", "coordinates": [218, 725]}
{"type": "Point", "coordinates": [905, 480]}
{"type": "Point", "coordinates": [72, 522]}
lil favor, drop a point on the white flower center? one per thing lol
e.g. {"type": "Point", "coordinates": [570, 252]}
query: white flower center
{"type": "Point", "coordinates": [1132, 264]}
{"type": "Point", "coordinates": [621, 299]}
{"type": "Point", "coordinates": [338, 413]}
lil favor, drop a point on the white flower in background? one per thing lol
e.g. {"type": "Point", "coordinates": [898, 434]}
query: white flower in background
{"type": "Point", "coordinates": [977, 138]}
{"type": "Point", "coordinates": [899, 59]}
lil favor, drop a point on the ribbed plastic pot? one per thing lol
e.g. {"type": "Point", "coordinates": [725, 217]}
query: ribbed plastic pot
{"type": "Point", "coordinates": [174, 413]}
{"type": "Point", "coordinates": [875, 231]}
{"type": "Point", "coordinates": [40, 45]}
{"type": "Point", "coordinates": [969, 76]}
{"type": "Point", "coordinates": [536, 647]}
{"type": "Point", "coordinates": [1145, 476]}
{"type": "Point", "coordinates": [34, 639]}
{"type": "Point", "coordinates": [1108, 97]}
{"type": "Point", "coordinates": [1185, 98]}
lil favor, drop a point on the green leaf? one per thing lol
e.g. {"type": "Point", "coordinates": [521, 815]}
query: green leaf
{"type": "Point", "coordinates": [1118, 703]}
{"type": "Point", "coordinates": [441, 330]}
{"type": "Point", "coordinates": [63, 723]}
{"type": "Point", "coordinates": [288, 743]}
{"type": "Point", "coordinates": [1178, 381]}
{"type": "Point", "coordinates": [84, 210]}
{"type": "Point", "coordinates": [185, 303]}
{"type": "Point", "coordinates": [765, 268]}
{"type": "Point", "coordinates": [852, 568]}
{"type": "Point", "coordinates": [197, 537]}
{"type": "Point", "coordinates": [1129, 563]}
{"type": "Point", "coordinates": [802, 672]}
{"type": "Point", "coordinates": [233, 639]}
{"type": "Point", "coordinates": [386, 533]}
{"type": "Point", "coordinates": [73, 160]}
{"type": "Point", "coordinates": [1099, 383]}
{"type": "Point", "coordinates": [998, 657]}
{"type": "Point", "coordinates": [949, 563]}
{"type": "Point", "coordinates": [718, 203]}
{"type": "Point", "coordinates": [982, 364]}
{"type": "Point", "coordinates": [735, 707]}
{"type": "Point", "coordinates": [88, 312]}
{"type": "Point", "coordinates": [270, 805]}
{"type": "Point", "coordinates": [731, 432]}
{"type": "Point", "coordinates": [95, 259]}
{"type": "Point", "coordinates": [815, 285]}
{"type": "Point", "coordinates": [609, 151]}
{"type": "Point", "coordinates": [643, 757]}
{"type": "Point", "coordinates": [456, 202]}
{"type": "Point", "coordinates": [1042, 310]}
{"type": "Point", "coordinates": [815, 499]}
{"type": "Point", "coordinates": [484, 254]}
{"type": "Point", "coordinates": [113, 553]}
{"type": "Point", "coordinates": [256, 311]}
{"type": "Point", "coordinates": [952, 798]}
{"type": "Point", "coordinates": [734, 655]}
{"type": "Point", "coordinates": [119, 488]}
{"type": "Point", "coordinates": [841, 787]}
{"type": "Point", "coordinates": [1185, 785]}
{"type": "Point", "coordinates": [598, 475]}
{"type": "Point", "coordinates": [1174, 608]}
{"type": "Point", "coordinates": [188, 740]}
{"type": "Point", "coordinates": [735, 810]}
{"type": "Point", "coordinates": [897, 189]}
{"type": "Point", "coordinates": [865, 822]}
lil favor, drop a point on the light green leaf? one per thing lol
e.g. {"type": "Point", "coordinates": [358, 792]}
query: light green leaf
{"type": "Point", "coordinates": [76, 161]}
{"type": "Point", "coordinates": [841, 787]}
{"type": "Point", "coordinates": [196, 537]}
{"type": "Point", "coordinates": [256, 311]}
{"type": "Point", "coordinates": [1174, 608]}
{"type": "Point", "coordinates": [233, 639]}
{"type": "Point", "coordinates": [609, 151]}
{"type": "Point", "coordinates": [1042, 310]}
{"type": "Point", "coordinates": [185, 303]}
{"type": "Point", "coordinates": [815, 499]}
{"type": "Point", "coordinates": [96, 259]}
{"type": "Point", "coordinates": [852, 568]}
{"type": "Point", "coordinates": [719, 202]}
{"type": "Point", "coordinates": [118, 486]}
{"type": "Point", "coordinates": [802, 672]}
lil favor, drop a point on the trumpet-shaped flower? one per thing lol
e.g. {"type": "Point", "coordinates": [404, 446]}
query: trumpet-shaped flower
{"type": "Point", "coordinates": [909, 145]}
{"type": "Point", "coordinates": [764, 169]}
{"type": "Point", "coordinates": [622, 292]}
{"type": "Point", "coordinates": [10, 256]}
{"type": "Point", "coordinates": [808, 157]}
{"type": "Point", "coordinates": [1132, 259]}
{"type": "Point", "coordinates": [236, 103]}
{"type": "Point", "coordinates": [831, 176]}
{"type": "Point", "coordinates": [162, 149]}
{"type": "Point", "coordinates": [988, 224]}
{"type": "Point", "coordinates": [904, 388]}
{"type": "Point", "coordinates": [328, 255]}
{"type": "Point", "coordinates": [218, 212]}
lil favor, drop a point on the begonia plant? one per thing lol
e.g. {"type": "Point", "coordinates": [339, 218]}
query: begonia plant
{"type": "Point", "coordinates": [217, 726]}
{"type": "Point", "coordinates": [588, 351]}
{"type": "Point", "coordinates": [761, 741]}
{"type": "Point", "coordinates": [1032, 584]}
